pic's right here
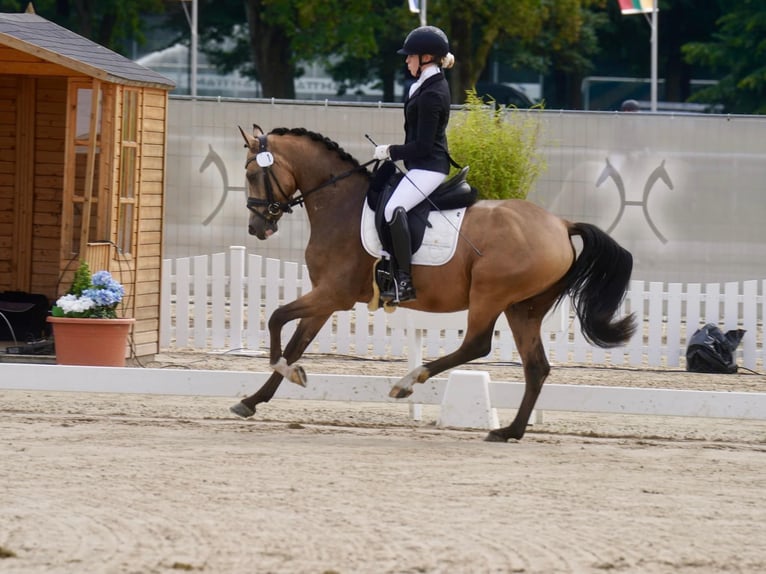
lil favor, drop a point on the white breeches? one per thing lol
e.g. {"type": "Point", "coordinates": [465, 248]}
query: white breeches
{"type": "Point", "coordinates": [415, 186]}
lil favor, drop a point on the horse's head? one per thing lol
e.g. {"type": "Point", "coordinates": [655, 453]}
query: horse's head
{"type": "Point", "coordinates": [270, 184]}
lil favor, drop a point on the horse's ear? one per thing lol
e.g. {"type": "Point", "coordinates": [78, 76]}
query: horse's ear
{"type": "Point", "coordinates": [250, 141]}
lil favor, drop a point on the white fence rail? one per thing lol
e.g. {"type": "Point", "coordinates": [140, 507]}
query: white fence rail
{"type": "Point", "coordinates": [360, 388]}
{"type": "Point", "coordinates": [223, 301]}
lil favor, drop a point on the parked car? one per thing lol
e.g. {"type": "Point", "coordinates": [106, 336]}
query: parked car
{"type": "Point", "coordinates": [503, 94]}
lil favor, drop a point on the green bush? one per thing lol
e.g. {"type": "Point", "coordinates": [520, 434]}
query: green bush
{"type": "Point", "coordinates": [500, 144]}
{"type": "Point", "coordinates": [81, 280]}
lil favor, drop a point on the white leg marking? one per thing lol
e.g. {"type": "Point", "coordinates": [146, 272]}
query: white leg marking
{"type": "Point", "coordinates": [403, 387]}
{"type": "Point", "coordinates": [293, 373]}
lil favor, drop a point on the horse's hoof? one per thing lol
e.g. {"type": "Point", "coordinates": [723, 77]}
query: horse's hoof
{"type": "Point", "coordinates": [242, 410]}
{"type": "Point", "coordinates": [399, 393]}
{"type": "Point", "coordinates": [494, 437]}
{"type": "Point", "coordinates": [298, 375]}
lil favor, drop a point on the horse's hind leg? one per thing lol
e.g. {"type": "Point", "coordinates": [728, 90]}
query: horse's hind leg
{"type": "Point", "coordinates": [476, 343]}
{"type": "Point", "coordinates": [525, 320]}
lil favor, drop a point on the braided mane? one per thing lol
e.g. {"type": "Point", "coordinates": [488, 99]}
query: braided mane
{"type": "Point", "coordinates": [328, 143]}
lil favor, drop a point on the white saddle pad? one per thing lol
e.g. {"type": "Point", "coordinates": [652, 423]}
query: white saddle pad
{"type": "Point", "coordinates": [439, 242]}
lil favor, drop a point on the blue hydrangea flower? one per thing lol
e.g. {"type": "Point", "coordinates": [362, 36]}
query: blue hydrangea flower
{"type": "Point", "coordinates": [100, 300]}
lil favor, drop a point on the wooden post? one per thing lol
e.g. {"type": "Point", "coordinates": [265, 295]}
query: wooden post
{"type": "Point", "coordinates": [23, 213]}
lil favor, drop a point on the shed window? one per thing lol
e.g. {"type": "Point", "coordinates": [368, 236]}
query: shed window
{"type": "Point", "coordinates": [129, 172]}
{"type": "Point", "coordinates": [86, 181]}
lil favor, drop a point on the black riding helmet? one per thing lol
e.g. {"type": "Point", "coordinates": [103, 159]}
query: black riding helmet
{"type": "Point", "coordinates": [425, 40]}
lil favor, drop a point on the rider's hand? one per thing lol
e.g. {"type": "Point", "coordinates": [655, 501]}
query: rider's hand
{"type": "Point", "coordinates": [381, 152]}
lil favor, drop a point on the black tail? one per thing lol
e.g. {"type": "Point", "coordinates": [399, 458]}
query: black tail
{"type": "Point", "coordinates": [596, 283]}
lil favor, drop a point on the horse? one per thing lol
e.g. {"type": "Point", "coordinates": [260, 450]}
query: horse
{"type": "Point", "coordinates": [513, 257]}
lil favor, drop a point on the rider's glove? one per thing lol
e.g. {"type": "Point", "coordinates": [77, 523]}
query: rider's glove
{"type": "Point", "coordinates": [381, 152]}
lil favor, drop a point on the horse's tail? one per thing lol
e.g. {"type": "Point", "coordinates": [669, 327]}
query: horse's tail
{"type": "Point", "coordinates": [597, 283]}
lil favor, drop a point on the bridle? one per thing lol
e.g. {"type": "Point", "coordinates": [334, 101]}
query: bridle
{"type": "Point", "coordinates": [275, 209]}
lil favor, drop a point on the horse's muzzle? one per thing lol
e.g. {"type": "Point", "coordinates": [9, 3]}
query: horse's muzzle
{"type": "Point", "coordinates": [262, 228]}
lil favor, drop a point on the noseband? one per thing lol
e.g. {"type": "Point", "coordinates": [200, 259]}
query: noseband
{"type": "Point", "coordinates": [274, 208]}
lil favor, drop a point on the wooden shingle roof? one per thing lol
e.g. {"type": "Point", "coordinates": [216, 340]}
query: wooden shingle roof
{"type": "Point", "coordinates": [48, 41]}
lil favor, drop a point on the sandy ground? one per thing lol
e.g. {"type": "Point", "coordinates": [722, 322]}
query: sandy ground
{"type": "Point", "coordinates": [116, 483]}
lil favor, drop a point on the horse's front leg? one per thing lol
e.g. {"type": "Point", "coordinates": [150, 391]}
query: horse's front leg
{"type": "Point", "coordinates": [283, 366]}
{"type": "Point", "coordinates": [313, 310]}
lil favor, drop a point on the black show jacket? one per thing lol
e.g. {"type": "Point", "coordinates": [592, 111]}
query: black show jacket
{"type": "Point", "coordinates": [426, 114]}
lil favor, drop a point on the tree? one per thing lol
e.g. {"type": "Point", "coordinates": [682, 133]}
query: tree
{"type": "Point", "coordinates": [111, 23]}
{"type": "Point", "coordinates": [540, 31]}
{"type": "Point", "coordinates": [388, 24]}
{"type": "Point", "coordinates": [625, 43]}
{"type": "Point", "coordinates": [565, 48]}
{"type": "Point", "coordinates": [684, 21]}
{"type": "Point", "coordinates": [357, 39]}
{"type": "Point", "coordinates": [268, 40]}
{"type": "Point", "coordinates": [738, 51]}
{"type": "Point", "coordinates": [269, 25]}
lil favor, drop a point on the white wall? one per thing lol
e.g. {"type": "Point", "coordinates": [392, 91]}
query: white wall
{"type": "Point", "coordinates": [703, 223]}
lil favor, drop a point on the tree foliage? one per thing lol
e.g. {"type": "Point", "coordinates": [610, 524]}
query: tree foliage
{"type": "Point", "coordinates": [738, 52]}
{"type": "Point", "coordinates": [625, 44]}
{"type": "Point", "coordinates": [562, 40]}
{"type": "Point", "coordinates": [357, 40]}
{"type": "Point", "coordinates": [111, 23]}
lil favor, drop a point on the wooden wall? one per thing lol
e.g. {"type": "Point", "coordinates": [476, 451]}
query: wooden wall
{"type": "Point", "coordinates": [140, 271]}
{"type": "Point", "coordinates": [8, 89]}
{"type": "Point", "coordinates": [50, 133]}
{"type": "Point", "coordinates": [149, 220]}
{"type": "Point", "coordinates": [32, 128]}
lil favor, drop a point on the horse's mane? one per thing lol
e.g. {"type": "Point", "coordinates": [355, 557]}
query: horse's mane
{"type": "Point", "coordinates": [328, 143]}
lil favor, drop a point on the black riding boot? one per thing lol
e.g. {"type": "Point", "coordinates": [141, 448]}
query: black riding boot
{"type": "Point", "coordinates": [400, 242]}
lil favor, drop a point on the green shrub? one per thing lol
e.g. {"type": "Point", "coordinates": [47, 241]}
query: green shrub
{"type": "Point", "coordinates": [500, 144]}
{"type": "Point", "coordinates": [81, 280]}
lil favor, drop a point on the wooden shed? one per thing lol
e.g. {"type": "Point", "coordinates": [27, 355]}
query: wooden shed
{"type": "Point", "coordinates": [82, 167]}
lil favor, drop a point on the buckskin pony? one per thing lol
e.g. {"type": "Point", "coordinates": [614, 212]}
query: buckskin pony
{"type": "Point", "coordinates": [513, 257]}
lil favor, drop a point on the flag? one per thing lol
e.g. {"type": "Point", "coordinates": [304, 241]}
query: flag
{"type": "Point", "coordinates": [415, 6]}
{"type": "Point", "coordinates": [636, 6]}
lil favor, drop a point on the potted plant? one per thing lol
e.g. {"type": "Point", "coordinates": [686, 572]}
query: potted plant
{"type": "Point", "coordinates": [86, 329]}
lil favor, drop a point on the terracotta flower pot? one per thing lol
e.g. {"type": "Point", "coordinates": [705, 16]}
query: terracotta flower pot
{"type": "Point", "coordinates": [94, 342]}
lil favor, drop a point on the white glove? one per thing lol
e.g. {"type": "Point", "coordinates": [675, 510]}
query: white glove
{"type": "Point", "coordinates": [381, 152]}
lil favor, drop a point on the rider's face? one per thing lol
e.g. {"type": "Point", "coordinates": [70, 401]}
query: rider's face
{"type": "Point", "coordinates": [413, 63]}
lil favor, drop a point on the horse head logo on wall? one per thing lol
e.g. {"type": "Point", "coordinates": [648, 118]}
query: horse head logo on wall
{"type": "Point", "coordinates": [215, 159]}
{"type": "Point", "coordinates": [659, 173]}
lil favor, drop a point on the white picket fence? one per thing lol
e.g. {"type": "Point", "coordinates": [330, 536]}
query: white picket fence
{"type": "Point", "coordinates": [223, 302]}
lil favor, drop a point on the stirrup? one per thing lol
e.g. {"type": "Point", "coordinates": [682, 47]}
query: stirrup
{"type": "Point", "coordinates": [403, 291]}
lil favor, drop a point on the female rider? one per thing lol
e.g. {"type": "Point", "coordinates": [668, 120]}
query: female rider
{"type": "Point", "coordinates": [424, 152]}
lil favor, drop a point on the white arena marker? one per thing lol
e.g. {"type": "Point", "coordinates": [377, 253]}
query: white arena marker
{"type": "Point", "coordinates": [466, 401]}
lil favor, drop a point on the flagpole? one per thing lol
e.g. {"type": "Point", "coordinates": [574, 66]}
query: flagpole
{"type": "Point", "coordinates": [192, 20]}
{"type": "Point", "coordinates": [654, 57]}
{"type": "Point", "coordinates": [423, 12]}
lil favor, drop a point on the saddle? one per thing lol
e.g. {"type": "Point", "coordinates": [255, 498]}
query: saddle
{"type": "Point", "coordinates": [454, 193]}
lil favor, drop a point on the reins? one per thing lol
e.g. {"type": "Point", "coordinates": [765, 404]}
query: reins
{"type": "Point", "coordinates": [275, 208]}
